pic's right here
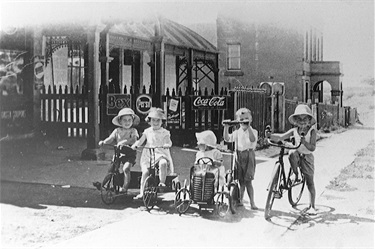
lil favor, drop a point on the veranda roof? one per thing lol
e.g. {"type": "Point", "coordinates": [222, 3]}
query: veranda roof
{"type": "Point", "coordinates": [173, 33]}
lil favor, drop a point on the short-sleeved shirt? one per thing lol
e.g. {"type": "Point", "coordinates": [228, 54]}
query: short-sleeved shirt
{"type": "Point", "coordinates": [120, 134]}
{"type": "Point", "coordinates": [241, 138]}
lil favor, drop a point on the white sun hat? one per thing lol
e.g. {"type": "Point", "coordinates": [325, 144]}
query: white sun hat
{"type": "Point", "coordinates": [123, 112]}
{"type": "Point", "coordinates": [206, 137]}
{"type": "Point", "coordinates": [156, 113]}
{"type": "Point", "coordinates": [301, 110]}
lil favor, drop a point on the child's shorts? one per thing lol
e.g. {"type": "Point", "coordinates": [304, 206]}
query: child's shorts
{"type": "Point", "coordinates": [304, 161]}
{"type": "Point", "coordinates": [245, 164]}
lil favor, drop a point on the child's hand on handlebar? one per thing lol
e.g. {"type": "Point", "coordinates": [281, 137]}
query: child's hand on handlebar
{"type": "Point", "coordinates": [134, 147]}
{"type": "Point", "coordinates": [101, 143]}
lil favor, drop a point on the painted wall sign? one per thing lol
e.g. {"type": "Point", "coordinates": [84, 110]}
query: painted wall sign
{"type": "Point", "coordinates": [143, 103]}
{"type": "Point", "coordinates": [115, 102]}
{"type": "Point", "coordinates": [210, 102]}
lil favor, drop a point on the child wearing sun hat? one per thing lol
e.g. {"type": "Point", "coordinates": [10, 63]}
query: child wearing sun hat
{"type": "Point", "coordinates": [159, 138]}
{"type": "Point", "coordinates": [125, 134]}
{"type": "Point", "coordinates": [207, 145]}
{"type": "Point", "coordinates": [304, 132]}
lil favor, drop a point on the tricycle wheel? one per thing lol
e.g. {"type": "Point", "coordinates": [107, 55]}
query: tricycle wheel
{"type": "Point", "coordinates": [108, 190]}
{"type": "Point", "coordinates": [182, 200]}
{"type": "Point", "coordinates": [149, 193]}
{"type": "Point", "coordinates": [222, 204]}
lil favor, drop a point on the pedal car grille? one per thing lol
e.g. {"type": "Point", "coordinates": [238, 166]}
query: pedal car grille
{"type": "Point", "coordinates": [203, 186]}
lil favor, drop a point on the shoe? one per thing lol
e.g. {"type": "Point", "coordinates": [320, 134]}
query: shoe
{"type": "Point", "coordinates": [139, 196]}
{"type": "Point", "coordinates": [162, 184]}
{"type": "Point", "coordinates": [240, 204]}
{"type": "Point", "coordinates": [98, 185]}
{"type": "Point", "coordinates": [278, 195]}
{"type": "Point", "coordinates": [123, 191]}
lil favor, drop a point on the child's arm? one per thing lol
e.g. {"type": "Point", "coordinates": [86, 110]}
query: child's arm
{"type": "Point", "coordinates": [139, 142]}
{"type": "Point", "coordinates": [281, 136]}
{"type": "Point", "coordinates": [312, 145]}
{"type": "Point", "coordinates": [226, 135]}
{"type": "Point", "coordinates": [167, 140]}
{"type": "Point", "coordinates": [252, 135]}
{"type": "Point", "coordinates": [109, 140]}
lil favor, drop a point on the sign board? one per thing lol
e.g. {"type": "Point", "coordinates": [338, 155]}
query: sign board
{"type": "Point", "coordinates": [174, 110]}
{"type": "Point", "coordinates": [143, 103]}
{"type": "Point", "coordinates": [209, 102]}
{"type": "Point", "coordinates": [116, 101]}
{"type": "Point", "coordinates": [38, 71]}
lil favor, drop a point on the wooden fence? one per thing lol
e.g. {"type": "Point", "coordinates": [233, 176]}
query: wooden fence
{"type": "Point", "coordinates": [64, 111]}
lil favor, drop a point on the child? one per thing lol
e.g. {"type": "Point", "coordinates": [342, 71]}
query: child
{"type": "Point", "coordinates": [155, 136]}
{"type": "Point", "coordinates": [125, 134]}
{"type": "Point", "coordinates": [245, 139]}
{"type": "Point", "coordinates": [206, 141]}
{"type": "Point", "coordinates": [302, 157]}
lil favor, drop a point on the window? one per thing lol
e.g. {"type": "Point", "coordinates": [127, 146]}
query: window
{"type": "Point", "coordinates": [234, 57]}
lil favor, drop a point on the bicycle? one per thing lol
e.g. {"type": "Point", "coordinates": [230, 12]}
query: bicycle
{"type": "Point", "coordinates": [110, 186]}
{"type": "Point", "coordinates": [280, 183]}
{"type": "Point", "coordinates": [151, 186]}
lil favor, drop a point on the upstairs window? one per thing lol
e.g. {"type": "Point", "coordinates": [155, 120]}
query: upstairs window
{"type": "Point", "coordinates": [234, 56]}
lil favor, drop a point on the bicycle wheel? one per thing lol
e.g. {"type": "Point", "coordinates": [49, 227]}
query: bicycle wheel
{"type": "Point", "coordinates": [149, 193]}
{"type": "Point", "coordinates": [182, 200]}
{"type": "Point", "coordinates": [222, 204]}
{"type": "Point", "coordinates": [296, 189]}
{"type": "Point", "coordinates": [273, 188]}
{"type": "Point", "coordinates": [234, 197]}
{"type": "Point", "coordinates": [108, 190]}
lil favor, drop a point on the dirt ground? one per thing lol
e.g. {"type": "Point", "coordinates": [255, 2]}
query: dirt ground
{"type": "Point", "coordinates": [47, 213]}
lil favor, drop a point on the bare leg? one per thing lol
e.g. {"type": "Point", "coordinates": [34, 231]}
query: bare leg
{"type": "Point", "coordinates": [311, 187]}
{"type": "Point", "coordinates": [163, 164]}
{"type": "Point", "coordinates": [143, 179]}
{"type": "Point", "coordinates": [127, 166]}
{"type": "Point", "coordinates": [294, 161]}
{"type": "Point", "coordinates": [242, 192]}
{"type": "Point", "coordinates": [250, 192]}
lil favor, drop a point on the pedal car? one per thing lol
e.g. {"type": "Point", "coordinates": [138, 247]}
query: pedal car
{"type": "Point", "coordinates": [203, 190]}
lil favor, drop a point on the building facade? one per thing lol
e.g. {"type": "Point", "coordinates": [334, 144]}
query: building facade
{"type": "Point", "coordinates": [256, 52]}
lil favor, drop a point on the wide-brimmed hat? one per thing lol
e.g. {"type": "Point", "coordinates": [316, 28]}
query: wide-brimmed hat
{"type": "Point", "coordinates": [206, 137]}
{"type": "Point", "coordinates": [243, 113]}
{"type": "Point", "coordinates": [301, 110]}
{"type": "Point", "coordinates": [155, 113]}
{"type": "Point", "coordinates": [123, 112]}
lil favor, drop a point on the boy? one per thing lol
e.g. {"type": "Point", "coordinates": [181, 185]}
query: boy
{"type": "Point", "coordinates": [245, 139]}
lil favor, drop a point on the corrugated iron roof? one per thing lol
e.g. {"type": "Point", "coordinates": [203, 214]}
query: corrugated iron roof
{"type": "Point", "coordinates": [173, 33]}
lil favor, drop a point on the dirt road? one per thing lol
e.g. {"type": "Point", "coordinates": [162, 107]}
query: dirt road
{"type": "Point", "coordinates": [33, 215]}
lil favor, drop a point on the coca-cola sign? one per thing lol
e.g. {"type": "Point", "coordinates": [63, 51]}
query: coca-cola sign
{"type": "Point", "coordinates": [210, 102]}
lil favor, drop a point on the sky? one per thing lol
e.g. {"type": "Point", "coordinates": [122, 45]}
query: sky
{"type": "Point", "coordinates": [347, 26]}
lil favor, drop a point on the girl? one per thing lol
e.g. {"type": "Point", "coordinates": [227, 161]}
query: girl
{"type": "Point", "coordinates": [125, 134]}
{"type": "Point", "coordinates": [159, 138]}
{"type": "Point", "coordinates": [302, 157]}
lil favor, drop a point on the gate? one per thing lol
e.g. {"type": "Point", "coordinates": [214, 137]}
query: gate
{"type": "Point", "coordinates": [256, 100]}
{"type": "Point", "coordinates": [64, 113]}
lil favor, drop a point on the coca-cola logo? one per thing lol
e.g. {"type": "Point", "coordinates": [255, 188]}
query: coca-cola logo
{"type": "Point", "coordinates": [210, 102]}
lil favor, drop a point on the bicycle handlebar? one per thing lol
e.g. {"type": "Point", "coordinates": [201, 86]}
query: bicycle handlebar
{"type": "Point", "coordinates": [155, 147]}
{"type": "Point", "coordinates": [282, 144]}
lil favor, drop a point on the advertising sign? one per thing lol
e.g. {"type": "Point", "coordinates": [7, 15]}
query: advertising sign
{"type": "Point", "coordinates": [210, 102]}
{"type": "Point", "coordinates": [116, 101]}
{"type": "Point", "coordinates": [143, 104]}
{"type": "Point", "coordinates": [174, 110]}
{"type": "Point", "coordinates": [38, 71]}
